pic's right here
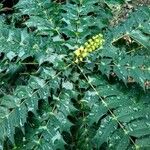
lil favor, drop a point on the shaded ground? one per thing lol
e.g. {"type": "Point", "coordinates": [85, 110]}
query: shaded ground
{"type": "Point", "coordinates": [121, 12]}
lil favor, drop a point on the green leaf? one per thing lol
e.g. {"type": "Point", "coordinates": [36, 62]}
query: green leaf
{"type": "Point", "coordinates": [107, 127]}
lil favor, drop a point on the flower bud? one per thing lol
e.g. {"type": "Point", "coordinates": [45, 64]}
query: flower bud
{"type": "Point", "coordinates": [77, 52]}
{"type": "Point", "coordinates": [81, 59]}
{"type": "Point", "coordinates": [84, 54]}
{"type": "Point", "coordinates": [91, 45]}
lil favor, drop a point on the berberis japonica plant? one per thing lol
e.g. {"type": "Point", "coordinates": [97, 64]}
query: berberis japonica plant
{"type": "Point", "coordinates": [70, 80]}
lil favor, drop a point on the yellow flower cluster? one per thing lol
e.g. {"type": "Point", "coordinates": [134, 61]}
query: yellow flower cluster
{"type": "Point", "coordinates": [90, 46]}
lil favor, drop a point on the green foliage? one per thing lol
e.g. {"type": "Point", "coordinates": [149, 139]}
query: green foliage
{"type": "Point", "coordinates": [48, 102]}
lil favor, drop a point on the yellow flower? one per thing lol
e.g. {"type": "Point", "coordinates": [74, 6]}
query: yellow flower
{"type": "Point", "coordinates": [93, 48]}
{"type": "Point", "coordinates": [90, 40]}
{"type": "Point", "coordinates": [86, 44]}
{"type": "Point", "coordinates": [81, 59]}
{"type": "Point", "coordinates": [84, 54]}
{"type": "Point", "coordinates": [94, 37]}
{"type": "Point", "coordinates": [96, 46]}
{"type": "Point", "coordinates": [77, 52]}
{"type": "Point", "coordinates": [91, 45]}
{"type": "Point", "coordinates": [97, 36]}
{"type": "Point", "coordinates": [85, 50]}
{"type": "Point", "coordinates": [90, 50]}
{"type": "Point", "coordinates": [100, 35]}
{"type": "Point", "coordinates": [76, 61]}
{"type": "Point", "coordinates": [97, 40]}
{"type": "Point", "coordinates": [81, 48]}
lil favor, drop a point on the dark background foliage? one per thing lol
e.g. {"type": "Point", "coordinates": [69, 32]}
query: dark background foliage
{"type": "Point", "coordinates": [47, 102]}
